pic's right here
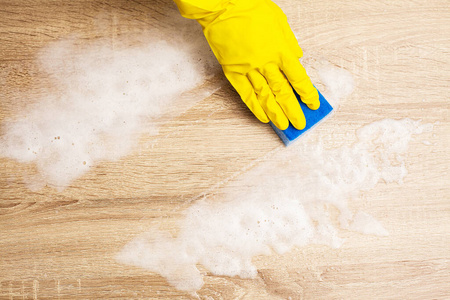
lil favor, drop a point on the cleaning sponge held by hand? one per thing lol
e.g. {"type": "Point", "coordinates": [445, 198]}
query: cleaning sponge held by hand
{"type": "Point", "coordinates": [259, 55]}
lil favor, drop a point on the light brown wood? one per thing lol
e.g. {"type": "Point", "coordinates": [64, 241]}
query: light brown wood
{"type": "Point", "coordinates": [62, 245]}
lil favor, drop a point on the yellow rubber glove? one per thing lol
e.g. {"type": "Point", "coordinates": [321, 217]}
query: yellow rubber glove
{"type": "Point", "coordinates": [259, 54]}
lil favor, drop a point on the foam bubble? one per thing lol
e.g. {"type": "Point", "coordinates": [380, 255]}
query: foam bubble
{"type": "Point", "coordinates": [101, 98]}
{"type": "Point", "coordinates": [280, 204]}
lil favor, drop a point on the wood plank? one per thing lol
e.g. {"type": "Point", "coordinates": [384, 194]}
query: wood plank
{"type": "Point", "coordinates": [61, 244]}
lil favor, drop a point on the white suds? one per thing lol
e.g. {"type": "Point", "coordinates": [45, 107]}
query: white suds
{"type": "Point", "coordinates": [365, 223]}
{"type": "Point", "coordinates": [102, 99]}
{"type": "Point", "coordinates": [338, 81]}
{"type": "Point", "coordinates": [280, 204]}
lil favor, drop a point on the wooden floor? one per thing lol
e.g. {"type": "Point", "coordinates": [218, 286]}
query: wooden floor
{"type": "Point", "coordinates": [62, 245]}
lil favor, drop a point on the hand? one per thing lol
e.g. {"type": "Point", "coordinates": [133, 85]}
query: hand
{"type": "Point", "coordinates": [260, 55]}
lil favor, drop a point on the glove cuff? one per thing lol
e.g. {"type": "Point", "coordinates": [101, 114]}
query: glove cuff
{"type": "Point", "coordinates": [201, 9]}
{"type": "Point", "coordinates": [207, 11]}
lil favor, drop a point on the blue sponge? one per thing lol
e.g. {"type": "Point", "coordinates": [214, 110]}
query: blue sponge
{"type": "Point", "coordinates": [312, 118]}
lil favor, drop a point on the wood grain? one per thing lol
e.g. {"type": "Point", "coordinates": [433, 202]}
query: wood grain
{"type": "Point", "coordinates": [61, 245]}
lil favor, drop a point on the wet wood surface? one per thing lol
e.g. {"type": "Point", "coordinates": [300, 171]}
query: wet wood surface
{"type": "Point", "coordinates": [61, 244]}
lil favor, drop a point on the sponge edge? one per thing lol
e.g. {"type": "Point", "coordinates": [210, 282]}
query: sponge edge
{"type": "Point", "coordinates": [312, 117]}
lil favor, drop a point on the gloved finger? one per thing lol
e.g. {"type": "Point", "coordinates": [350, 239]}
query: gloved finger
{"type": "Point", "coordinates": [284, 95]}
{"type": "Point", "coordinates": [267, 100]}
{"type": "Point", "coordinates": [300, 81]}
{"type": "Point", "coordinates": [248, 96]}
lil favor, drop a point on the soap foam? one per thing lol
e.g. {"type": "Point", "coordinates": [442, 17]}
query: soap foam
{"type": "Point", "coordinates": [102, 98]}
{"type": "Point", "coordinates": [280, 204]}
{"type": "Point", "coordinates": [367, 224]}
{"type": "Point", "coordinates": [338, 81]}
